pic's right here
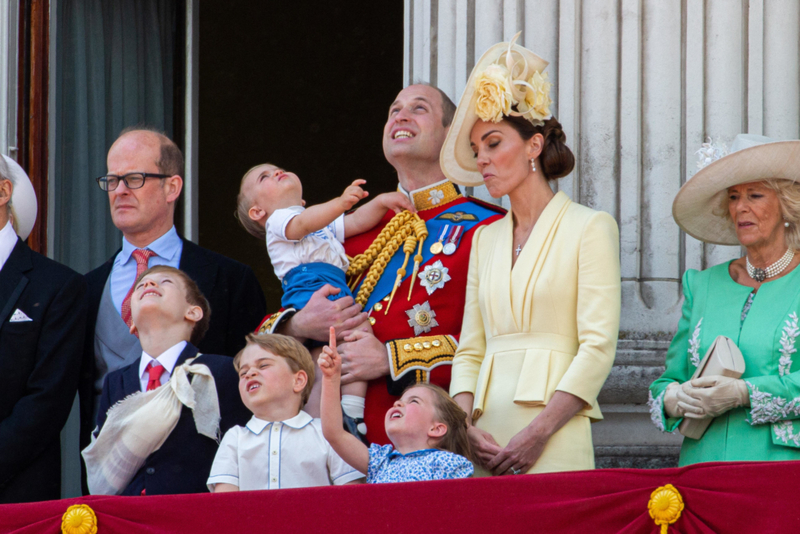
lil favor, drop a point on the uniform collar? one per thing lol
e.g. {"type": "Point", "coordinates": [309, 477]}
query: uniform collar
{"type": "Point", "coordinates": [166, 247]}
{"type": "Point", "coordinates": [8, 240]}
{"type": "Point", "coordinates": [432, 196]}
{"type": "Point", "coordinates": [256, 425]}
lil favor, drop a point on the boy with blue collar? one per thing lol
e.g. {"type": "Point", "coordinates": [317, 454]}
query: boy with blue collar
{"type": "Point", "coordinates": [281, 446]}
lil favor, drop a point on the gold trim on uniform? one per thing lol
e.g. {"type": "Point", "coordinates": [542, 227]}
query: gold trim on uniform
{"type": "Point", "coordinates": [434, 196]}
{"type": "Point", "coordinates": [268, 326]}
{"type": "Point", "coordinates": [419, 354]}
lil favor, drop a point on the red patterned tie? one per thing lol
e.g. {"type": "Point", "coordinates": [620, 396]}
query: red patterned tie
{"type": "Point", "coordinates": [154, 372]}
{"type": "Point", "coordinates": [141, 256]}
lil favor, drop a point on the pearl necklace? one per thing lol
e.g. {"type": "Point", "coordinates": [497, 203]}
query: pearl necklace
{"type": "Point", "coordinates": [759, 275]}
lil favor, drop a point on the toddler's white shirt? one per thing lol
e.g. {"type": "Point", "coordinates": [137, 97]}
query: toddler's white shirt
{"type": "Point", "coordinates": [285, 454]}
{"type": "Point", "coordinates": [323, 246]}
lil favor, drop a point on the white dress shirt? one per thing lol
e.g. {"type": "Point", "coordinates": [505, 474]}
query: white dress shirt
{"type": "Point", "coordinates": [8, 240]}
{"type": "Point", "coordinates": [166, 358]}
{"type": "Point", "coordinates": [285, 454]}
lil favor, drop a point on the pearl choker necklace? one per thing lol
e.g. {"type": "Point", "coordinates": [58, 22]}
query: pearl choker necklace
{"type": "Point", "coordinates": [759, 275]}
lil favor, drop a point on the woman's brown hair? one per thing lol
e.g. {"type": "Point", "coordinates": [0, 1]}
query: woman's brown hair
{"type": "Point", "coordinates": [556, 159]}
{"type": "Point", "coordinates": [454, 418]}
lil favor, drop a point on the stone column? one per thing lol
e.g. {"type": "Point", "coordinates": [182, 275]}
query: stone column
{"type": "Point", "coordinates": [639, 85]}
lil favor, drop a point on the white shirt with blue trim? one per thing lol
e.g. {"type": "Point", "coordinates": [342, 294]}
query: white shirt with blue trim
{"type": "Point", "coordinates": [275, 455]}
{"type": "Point", "coordinates": [168, 250]}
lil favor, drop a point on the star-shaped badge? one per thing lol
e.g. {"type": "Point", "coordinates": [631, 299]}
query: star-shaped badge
{"type": "Point", "coordinates": [434, 276]}
{"type": "Point", "coordinates": [421, 318]}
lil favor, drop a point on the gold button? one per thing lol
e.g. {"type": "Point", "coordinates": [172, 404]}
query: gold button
{"type": "Point", "coordinates": [426, 344]}
{"type": "Point", "coordinates": [372, 320]}
{"type": "Point", "coordinates": [417, 347]}
{"type": "Point", "coordinates": [386, 298]}
{"type": "Point", "coordinates": [378, 306]}
{"type": "Point", "coordinates": [436, 343]}
{"type": "Point", "coordinates": [407, 347]}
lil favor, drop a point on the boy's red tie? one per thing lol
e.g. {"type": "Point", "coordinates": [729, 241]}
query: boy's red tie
{"type": "Point", "coordinates": [142, 256]}
{"type": "Point", "coordinates": [155, 372]}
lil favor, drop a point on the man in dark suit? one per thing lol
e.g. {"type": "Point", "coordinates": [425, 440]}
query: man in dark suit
{"type": "Point", "coordinates": [143, 184]}
{"type": "Point", "coordinates": [170, 314]}
{"type": "Point", "coordinates": [42, 314]}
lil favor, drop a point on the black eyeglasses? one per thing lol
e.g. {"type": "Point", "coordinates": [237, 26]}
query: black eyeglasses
{"type": "Point", "coordinates": [133, 180]}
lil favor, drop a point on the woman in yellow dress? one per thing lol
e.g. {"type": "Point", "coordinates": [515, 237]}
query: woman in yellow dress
{"type": "Point", "coordinates": [543, 294]}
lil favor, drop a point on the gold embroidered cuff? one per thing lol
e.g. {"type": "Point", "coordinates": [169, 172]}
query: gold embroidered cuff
{"type": "Point", "coordinates": [419, 354]}
{"type": "Point", "coordinates": [271, 323]}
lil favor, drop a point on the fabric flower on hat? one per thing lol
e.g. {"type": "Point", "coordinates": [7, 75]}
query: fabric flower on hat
{"type": "Point", "coordinates": [537, 98]}
{"type": "Point", "coordinates": [493, 94]}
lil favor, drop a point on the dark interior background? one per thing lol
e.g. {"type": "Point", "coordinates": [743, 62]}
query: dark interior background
{"type": "Point", "coordinates": [305, 86]}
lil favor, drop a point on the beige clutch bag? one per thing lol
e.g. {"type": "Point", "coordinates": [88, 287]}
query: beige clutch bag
{"type": "Point", "coordinates": [723, 358]}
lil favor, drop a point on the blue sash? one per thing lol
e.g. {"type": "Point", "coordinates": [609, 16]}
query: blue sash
{"type": "Point", "coordinates": [384, 286]}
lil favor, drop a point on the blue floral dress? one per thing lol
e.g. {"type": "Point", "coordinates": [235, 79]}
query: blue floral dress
{"type": "Point", "coordinates": [388, 465]}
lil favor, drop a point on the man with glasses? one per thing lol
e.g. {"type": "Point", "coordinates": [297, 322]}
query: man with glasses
{"type": "Point", "coordinates": [143, 184]}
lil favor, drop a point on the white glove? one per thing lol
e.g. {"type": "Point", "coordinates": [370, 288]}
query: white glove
{"type": "Point", "coordinates": [678, 402]}
{"type": "Point", "coordinates": [718, 394]}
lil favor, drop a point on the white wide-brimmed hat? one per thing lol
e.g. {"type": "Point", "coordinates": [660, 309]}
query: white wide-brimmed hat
{"type": "Point", "coordinates": [23, 199]}
{"type": "Point", "coordinates": [516, 72]}
{"type": "Point", "coordinates": [698, 205]}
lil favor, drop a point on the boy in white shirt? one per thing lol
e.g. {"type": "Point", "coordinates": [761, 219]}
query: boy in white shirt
{"type": "Point", "coordinates": [305, 245]}
{"type": "Point", "coordinates": [281, 446]}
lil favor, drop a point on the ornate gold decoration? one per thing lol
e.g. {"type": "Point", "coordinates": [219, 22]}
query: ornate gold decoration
{"type": "Point", "coordinates": [273, 320]}
{"type": "Point", "coordinates": [79, 519]}
{"type": "Point", "coordinates": [419, 354]}
{"type": "Point", "coordinates": [665, 506]}
{"type": "Point", "coordinates": [404, 228]}
{"type": "Point", "coordinates": [435, 196]}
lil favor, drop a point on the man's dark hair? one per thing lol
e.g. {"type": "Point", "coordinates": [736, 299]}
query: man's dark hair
{"type": "Point", "coordinates": [170, 160]}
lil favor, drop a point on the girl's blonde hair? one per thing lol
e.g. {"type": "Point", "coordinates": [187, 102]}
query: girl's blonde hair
{"type": "Point", "coordinates": [453, 417]}
{"type": "Point", "coordinates": [788, 193]}
{"type": "Point", "coordinates": [243, 205]}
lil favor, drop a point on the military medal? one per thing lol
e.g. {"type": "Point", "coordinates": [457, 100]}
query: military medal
{"type": "Point", "coordinates": [437, 247]}
{"type": "Point", "coordinates": [452, 241]}
{"type": "Point", "coordinates": [434, 276]}
{"type": "Point", "coordinates": [421, 318]}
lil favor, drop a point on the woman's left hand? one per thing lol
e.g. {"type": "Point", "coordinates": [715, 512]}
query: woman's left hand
{"type": "Point", "coordinates": [522, 451]}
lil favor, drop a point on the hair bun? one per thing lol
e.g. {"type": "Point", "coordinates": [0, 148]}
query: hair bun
{"type": "Point", "coordinates": [557, 159]}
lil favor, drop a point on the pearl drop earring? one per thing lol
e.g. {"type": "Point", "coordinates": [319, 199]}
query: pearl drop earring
{"type": "Point", "coordinates": [533, 165]}
{"type": "Point", "coordinates": [786, 224]}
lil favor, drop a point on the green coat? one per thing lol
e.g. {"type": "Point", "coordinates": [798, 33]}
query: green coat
{"type": "Point", "coordinates": [767, 338]}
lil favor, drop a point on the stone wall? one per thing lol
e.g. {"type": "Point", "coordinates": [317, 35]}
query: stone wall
{"type": "Point", "coordinates": [639, 85]}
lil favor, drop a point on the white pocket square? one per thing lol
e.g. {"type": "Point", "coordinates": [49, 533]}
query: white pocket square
{"type": "Point", "coordinates": [19, 317]}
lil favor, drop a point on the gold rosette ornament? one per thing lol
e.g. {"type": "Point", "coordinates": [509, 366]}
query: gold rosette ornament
{"type": "Point", "coordinates": [79, 519]}
{"type": "Point", "coordinates": [666, 505]}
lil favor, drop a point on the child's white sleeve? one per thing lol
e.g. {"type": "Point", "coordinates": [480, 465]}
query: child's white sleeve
{"type": "Point", "coordinates": [279, 220]}
{"type": "Point", "coordinates": [338, 228]}
{"type": "Point", "coordinates": [339, 471]}
{"type": "Point", "coordinates": [225, 469]}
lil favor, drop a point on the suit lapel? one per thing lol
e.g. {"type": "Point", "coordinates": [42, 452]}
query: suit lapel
{"type": "Point", "coordinates": [13, 279]}
{"type": "Point", "coordinates": [197, 265]}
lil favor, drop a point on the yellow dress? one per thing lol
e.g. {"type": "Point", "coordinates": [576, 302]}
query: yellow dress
{"type": "Point", "coordinates": [549, 324]}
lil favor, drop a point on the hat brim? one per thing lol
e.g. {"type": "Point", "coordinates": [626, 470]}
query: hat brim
{"type": "Point", "coordinates": [456, 158]}
{"type": "Point", "coordinates": [695, 203]}
{"type": "Point", "coordinates": [23, 200]}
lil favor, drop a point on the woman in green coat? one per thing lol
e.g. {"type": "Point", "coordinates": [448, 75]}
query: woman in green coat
{"type": "Point", "coordinates": [751, 198]}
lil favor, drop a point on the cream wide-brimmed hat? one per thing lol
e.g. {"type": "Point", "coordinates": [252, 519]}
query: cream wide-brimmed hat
{"type": "Point", "coordinates": [752, 158]}
{"type": "Point", "coordinates": [23, 199]}
{"type": "Point", "coordinates": [523, 71]}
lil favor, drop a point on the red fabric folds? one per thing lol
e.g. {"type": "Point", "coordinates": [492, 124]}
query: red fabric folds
{"type": "Point", "coordinates": [718, 497]}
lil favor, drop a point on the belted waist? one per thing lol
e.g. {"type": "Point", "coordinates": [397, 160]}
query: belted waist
{"type": "Point", "coordinates": [532, 340]}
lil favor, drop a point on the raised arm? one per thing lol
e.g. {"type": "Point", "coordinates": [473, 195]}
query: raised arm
{"type": "Point", "coordinates": [318, 217]}
{"type": "Point", "coordinates": [347, 446]}
{"type": "Point", "coordinates": [370, 214]}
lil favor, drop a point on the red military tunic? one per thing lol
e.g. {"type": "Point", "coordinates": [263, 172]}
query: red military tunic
{"type": "Point", "coordinates": [420, 345]}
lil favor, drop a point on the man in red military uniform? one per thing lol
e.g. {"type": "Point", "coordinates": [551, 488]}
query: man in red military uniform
{"type": "Point", "coordinates": [414, 337]}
